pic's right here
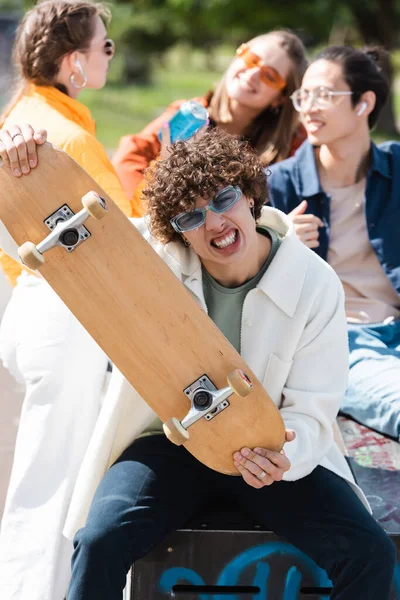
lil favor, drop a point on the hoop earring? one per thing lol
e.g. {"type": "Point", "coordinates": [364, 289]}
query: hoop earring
{"type": "Point", "coordinates": [185, 242]}
{"type": "Point", "coordinates": [78, 86]}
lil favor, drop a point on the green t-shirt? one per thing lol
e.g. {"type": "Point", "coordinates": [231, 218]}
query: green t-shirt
{"type": "Point", "coordinates": [225, 305]}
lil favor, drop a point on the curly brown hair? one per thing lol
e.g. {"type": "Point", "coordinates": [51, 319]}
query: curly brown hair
{"type": "Point", "coordinates": [198, 168]}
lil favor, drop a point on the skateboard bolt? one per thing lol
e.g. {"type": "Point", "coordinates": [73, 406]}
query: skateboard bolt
{"type": "Point", "coordinates": [202, 400]}
{"type": "Point", "coordinates": [69, 237]}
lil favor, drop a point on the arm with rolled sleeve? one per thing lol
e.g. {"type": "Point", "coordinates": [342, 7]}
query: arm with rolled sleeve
{"type": "Point", "coordinates": [135, 153]}
{"type": "Point", "coordinates": [317, 381]}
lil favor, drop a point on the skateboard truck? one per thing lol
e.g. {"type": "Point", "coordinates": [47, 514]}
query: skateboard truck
{"type": "Point", "coordinates": [66, 228]}
{"type": "Point", "coordinates": [207, 401]}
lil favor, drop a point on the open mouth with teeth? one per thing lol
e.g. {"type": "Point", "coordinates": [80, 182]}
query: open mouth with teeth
{"type": "Point", "coordinates": [229, 240]}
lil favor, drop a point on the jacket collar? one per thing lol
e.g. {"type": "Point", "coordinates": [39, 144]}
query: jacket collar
{"type": "Point", "coordinates": [380, 161]}
{"type": "Point", "coordinates": [306, 174]}
{"type": "Point", "coordinates": [69, 107]}
{"type": "Point", "coordinates": [284, 278]}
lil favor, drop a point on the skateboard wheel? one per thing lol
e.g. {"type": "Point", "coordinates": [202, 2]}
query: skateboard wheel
{"type": "Point", "coordinates": [175, 432]}
{"type": "Point", "coordinates": [95, 205]}
{"type": "Point", "coordinates": [240, 383]}
{"type": "Point", "coordinates": [30, 255]}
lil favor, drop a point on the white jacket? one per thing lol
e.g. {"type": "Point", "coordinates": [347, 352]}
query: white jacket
{"type": "Point", "coordinates": [294, 338]}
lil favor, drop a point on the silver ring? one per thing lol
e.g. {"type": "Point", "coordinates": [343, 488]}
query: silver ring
{"type": "Point", "coordinates": [15, 135]}
{"type": "Point", "coordinates": [261, 475]}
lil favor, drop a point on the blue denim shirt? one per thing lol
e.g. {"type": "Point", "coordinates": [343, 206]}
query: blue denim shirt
{"type": "Point", "coordinates": [296, 179]}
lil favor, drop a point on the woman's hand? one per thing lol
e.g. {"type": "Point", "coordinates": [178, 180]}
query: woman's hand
{"type": "Point", "coordinates": [260, 467]}
{"type": "Point", "coordinates": [18, 148]}
{"type": "Point", "coordinates": [306, 225]}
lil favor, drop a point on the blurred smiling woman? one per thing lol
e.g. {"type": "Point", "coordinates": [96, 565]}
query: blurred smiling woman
{"type": "Point", "coordinates": [251, 100]}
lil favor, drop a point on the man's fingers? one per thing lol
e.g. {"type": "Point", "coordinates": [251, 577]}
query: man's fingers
{"type": "Point", "coordinates": [300, 209]}
{"type": "Point", "coordinates": [21, 141]}
{"type": "Point", "coordinates": [306, 220]}
{"type": "Point", "coordinates": [312, 244]}
{"type": "Point", "coordinates": [3, 153]}
{"type": "Point", "coordinates": [252, 479]}
{"type": "Point", "coordinates": [305, 231]}
{"type": "Point", "coordinates": [259, 465]}
{"type": "Point", "coordinates": [309, 236]}
{"type": "Point", "coordinates": [272, 462]}
{"type": "Point", "coordinates": [40, 136]}
{"type": "Point", "coordinates": [290, 435]}
{"type": "Point", "coordinates": [18, 147]}
{"type": "Point", "coordinates": [263, 461]}
{"type": "Point", "coordinates": [11, 150]}
{"type": "Point", "coordinates": [31, 159]}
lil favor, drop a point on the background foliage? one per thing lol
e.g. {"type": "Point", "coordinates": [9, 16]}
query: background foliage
{"type": "Point", "coordinates": [168, 49]}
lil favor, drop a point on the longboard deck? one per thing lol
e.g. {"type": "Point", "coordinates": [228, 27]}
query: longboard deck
{"type": "Point", "coordinates": [138, 311]}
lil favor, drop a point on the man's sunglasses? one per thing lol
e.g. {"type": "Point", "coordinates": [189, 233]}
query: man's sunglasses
{"type": "Point", "coordinates": [268, 75]}
{"type": "Point", "coordinates": [193, 219]}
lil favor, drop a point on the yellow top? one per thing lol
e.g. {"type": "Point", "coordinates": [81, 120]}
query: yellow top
{"type": "Point", "coordinates": [70, 127]}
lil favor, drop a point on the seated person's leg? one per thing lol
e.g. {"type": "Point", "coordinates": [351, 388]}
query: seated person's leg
{"type": "Point", "coordinates": [323, 517]}
{"type": "Point", "coordinates": [152, 489]}
{"type": "Point", "coordinates": [373, 395]}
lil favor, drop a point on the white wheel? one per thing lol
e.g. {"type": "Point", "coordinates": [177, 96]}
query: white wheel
{"type": "Point", "coordinates": [95, 205]}
{"type": "Point", "coordinates": [30, 256]}
{"type": "Point", "coordinates": [240, 383]}
{"type": "Point", "coordinates": [175, 431]}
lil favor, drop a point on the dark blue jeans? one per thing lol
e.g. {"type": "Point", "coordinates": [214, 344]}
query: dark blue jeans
{"type": "Point", "coordinates": [155, 487]}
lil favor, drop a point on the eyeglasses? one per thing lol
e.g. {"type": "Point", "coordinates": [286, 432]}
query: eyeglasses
{"type": "Point", "coordinates": [193, 219]}
{"type": "Point", "coordinates": [321, 98]}
{"type": "Point", "coordinates": [268, 75]}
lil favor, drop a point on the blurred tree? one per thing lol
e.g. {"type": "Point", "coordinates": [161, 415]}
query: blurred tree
{"type": "Point", "coordinates": [144, 29]}
{"type": "Point", "coordinates": [11, 5]}
{"type": "Point", "coordinates": [378, 22]}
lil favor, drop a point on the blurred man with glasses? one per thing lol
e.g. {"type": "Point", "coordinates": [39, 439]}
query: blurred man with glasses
{"type": "Point", "coordinates": [343, 195]}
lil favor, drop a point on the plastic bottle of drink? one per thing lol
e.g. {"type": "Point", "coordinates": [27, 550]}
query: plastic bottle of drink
{"type": "Point", "coordinates": [186, 121]}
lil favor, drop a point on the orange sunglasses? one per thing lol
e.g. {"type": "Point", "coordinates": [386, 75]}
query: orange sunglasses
{"type": "Point", "coordinates": [269, 75]}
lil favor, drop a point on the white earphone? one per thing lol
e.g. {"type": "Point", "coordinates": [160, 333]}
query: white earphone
{"type": "Point", "coordinates": [362, 108]}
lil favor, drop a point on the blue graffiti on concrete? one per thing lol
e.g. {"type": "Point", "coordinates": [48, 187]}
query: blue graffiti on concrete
{"type": "Point", "coordinates": [179, 575]}
{"type": "Point", "coordinates": [256, 556]}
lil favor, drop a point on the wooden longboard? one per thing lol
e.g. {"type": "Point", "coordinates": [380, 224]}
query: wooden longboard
{"type": "Point", "coordinates": [137, 310]}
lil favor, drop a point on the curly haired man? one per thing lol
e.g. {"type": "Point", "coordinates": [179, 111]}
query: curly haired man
{"type": "Point", "coordinates": [282, 307]}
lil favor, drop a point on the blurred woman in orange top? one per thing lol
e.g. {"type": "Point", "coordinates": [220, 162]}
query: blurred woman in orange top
{"type": "Point", "coordinates": [251, 100]}
{"type": "Point", "coordinates": [61, 47]}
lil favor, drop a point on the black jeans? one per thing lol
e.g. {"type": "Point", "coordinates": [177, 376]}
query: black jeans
{"type": "Point", "coordinates": [155, 487]}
